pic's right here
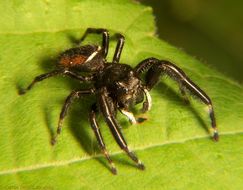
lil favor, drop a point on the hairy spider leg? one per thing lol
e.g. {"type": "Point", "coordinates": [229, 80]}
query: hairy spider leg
{"type": "Point", "coordinates": [53, 73]}
{"type": "Point", "coordinates": [105, 37]}
{"type": "Point", "coordinates": [96, 129]}
{"type": "Point", "coordinates": [73, 95]}
{"type": "Point", "coordinates": [157, 67]}
{"type": "Point", "coordinates": [119, 47]}
{"type": "Point", "coordinates": [105, 106]}
{"type": "Point", "coordinates": [153, 76]}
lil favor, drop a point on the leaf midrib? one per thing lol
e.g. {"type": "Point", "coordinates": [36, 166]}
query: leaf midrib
{"type": "Point", "coordinates": [74, 160]}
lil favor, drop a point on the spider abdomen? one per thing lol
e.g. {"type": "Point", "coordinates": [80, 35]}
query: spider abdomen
{"type": "Point", "coordinates": [84, 58]}
{"type": "Point", "coordinates": [67, 61]}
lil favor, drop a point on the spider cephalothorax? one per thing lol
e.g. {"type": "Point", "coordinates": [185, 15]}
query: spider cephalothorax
{"type": "Point", "coordinates": [117, 86]}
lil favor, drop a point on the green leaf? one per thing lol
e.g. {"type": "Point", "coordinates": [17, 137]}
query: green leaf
{"type": "Point", "coordinates": [173, 143]}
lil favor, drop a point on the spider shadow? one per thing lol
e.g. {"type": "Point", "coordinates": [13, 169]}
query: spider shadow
{"type": "Point", "coordinates": [174, 96]}
{"type": "Point", "coordinates": [78, 122]}
{"type": "Point", "coordinates": [47, 64]}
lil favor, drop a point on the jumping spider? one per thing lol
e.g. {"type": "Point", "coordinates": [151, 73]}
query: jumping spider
{"type": "Point", "coordinates": [116, 86]}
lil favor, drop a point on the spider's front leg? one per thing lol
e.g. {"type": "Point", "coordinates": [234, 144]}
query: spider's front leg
{"type": "Point", "coordinates": [106, 105]}
{"type": "Point", "coordinates": [155, 68]}
{"type": "Point", "coordinates": [96, 129]}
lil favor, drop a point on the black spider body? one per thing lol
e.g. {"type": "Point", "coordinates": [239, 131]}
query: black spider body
{"type": "Point", "coordinates": [123, 85]}
{"type": "Point", "coordinates": [117, 87]}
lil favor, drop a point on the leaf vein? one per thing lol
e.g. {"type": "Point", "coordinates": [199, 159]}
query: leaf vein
{"type": "Point", "coordinates": [75, 160]}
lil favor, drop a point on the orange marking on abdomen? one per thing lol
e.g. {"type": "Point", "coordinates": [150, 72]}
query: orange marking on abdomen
{"type": "Point", "coordinates": [72, 61]}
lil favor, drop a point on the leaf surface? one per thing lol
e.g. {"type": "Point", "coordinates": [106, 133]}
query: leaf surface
{"type": "Point", "coordinates": [174, 143]}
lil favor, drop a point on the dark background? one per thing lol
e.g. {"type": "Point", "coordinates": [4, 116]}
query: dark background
{"type": "Point", "coordinates": [212, 31]}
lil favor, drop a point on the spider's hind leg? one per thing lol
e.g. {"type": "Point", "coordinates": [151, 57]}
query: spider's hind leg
{"type": "Point", "coordinates": [105, 37]}
{"type": "Point", "coordinates": [119, 46]}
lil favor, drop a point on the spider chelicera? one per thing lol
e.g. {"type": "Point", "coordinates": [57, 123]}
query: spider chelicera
{"type": "Point", "coordinates": [116, 86]}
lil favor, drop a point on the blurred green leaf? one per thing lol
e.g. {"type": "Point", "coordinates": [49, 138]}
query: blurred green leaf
{"type": "Point", "coordinates": [210, 30]}
{"type": "Point", "coordinates": [174, 143]}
